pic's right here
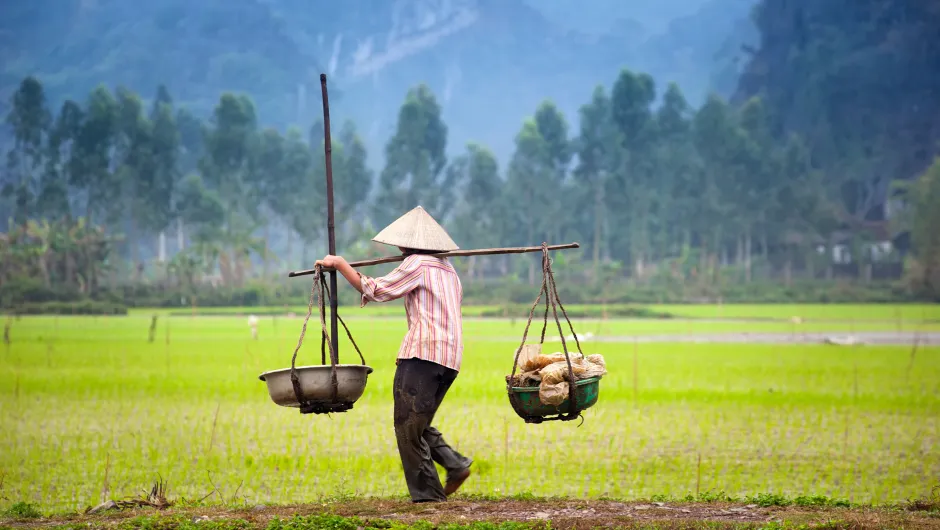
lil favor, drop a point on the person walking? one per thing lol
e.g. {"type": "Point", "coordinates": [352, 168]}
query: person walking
{"type": "Point", "coordinates": [431, 352]}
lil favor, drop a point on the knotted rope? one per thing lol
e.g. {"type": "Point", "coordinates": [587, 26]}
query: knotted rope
{"type": "Point", "coordinates": [550, 290]}
{"type": "Point", "coordinates": [318, 294]}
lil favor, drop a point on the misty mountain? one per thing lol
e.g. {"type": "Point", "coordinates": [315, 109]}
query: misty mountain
{"type": "Point", "coordinates": [489, 62]}
{"type": "Point", "coordinates": [600, 16]}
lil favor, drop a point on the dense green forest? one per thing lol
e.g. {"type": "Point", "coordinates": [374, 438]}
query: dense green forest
{"type": "Point", "coordinates": [786, 185]}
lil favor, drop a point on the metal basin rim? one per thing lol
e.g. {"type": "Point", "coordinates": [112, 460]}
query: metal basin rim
{"type": "Point", "coordinates": [367, 368]}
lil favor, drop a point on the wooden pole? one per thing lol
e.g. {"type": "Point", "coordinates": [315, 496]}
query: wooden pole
{"type": "Point", "coordinates": [334, 336]}
{"type": "Point", "coordinates": [451, 254]}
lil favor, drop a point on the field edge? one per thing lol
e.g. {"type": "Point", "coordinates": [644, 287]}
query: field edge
{"type": "Point", "coordinates": [479, 513]}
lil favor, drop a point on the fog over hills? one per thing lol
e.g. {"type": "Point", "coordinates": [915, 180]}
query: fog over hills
{"type": "Point", "coordinates": [489, 62]}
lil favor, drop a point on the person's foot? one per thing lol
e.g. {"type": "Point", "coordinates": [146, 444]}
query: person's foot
{"type": "Point", "coordinates": [454, 482]}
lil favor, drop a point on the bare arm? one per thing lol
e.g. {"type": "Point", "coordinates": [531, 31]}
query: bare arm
{"type": "Point", "coordinates": [339, 263]}
{"type": "Point", "coordinates": [350, 274]}
{"type": "Point", "coordinates": [404, 279]}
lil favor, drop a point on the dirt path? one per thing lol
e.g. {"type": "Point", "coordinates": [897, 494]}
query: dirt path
{"type": "Point", "coordinates": [557, 515]}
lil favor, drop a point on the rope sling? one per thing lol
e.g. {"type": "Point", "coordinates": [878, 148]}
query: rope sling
{"type": "Point", "coordinates": [318, 294]}
{"type": "Point", "coordinates": [576, 404]}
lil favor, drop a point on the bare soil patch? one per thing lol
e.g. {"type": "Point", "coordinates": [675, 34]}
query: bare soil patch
{"type": "Point", "coordinates": [557, 515]}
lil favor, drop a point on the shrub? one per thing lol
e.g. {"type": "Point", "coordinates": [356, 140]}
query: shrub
{"type": "Point", "coordinates": [22, 510]}
{"type": "Point", "coordinates": [85, 307]}
{"type": "Point", "coordinates": [24, 290]}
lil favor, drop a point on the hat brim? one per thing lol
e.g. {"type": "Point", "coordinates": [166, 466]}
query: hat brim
{"type": "Point", "coordinates": [416, 230]}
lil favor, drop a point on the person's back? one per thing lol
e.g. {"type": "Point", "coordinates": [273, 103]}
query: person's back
{"type": "Point", "coordinates": [431, 353]}
{"type": "Point", "coordinates": [433, 296]}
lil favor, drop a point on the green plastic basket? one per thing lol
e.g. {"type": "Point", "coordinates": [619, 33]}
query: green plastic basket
{"type": "Point", "coordinates": [525, 401]}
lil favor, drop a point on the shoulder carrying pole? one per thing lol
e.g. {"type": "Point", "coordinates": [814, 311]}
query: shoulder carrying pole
{"type": "Point", "coordinates": [334, 336]}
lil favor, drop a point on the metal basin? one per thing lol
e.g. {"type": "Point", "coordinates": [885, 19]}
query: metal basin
{"type": "Point", "coordinates": [315, 384]}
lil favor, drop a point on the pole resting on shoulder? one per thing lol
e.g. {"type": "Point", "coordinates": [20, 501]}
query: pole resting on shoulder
{"type": "Point", "coordinates": [450, 254]}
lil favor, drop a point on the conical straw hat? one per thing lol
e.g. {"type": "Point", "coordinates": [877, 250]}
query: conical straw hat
{"type": "Point", "coordinates": [416, 230]}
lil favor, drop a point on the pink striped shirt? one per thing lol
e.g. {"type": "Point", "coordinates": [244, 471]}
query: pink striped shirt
{"type": "Point", "coordinates": [433, 295]}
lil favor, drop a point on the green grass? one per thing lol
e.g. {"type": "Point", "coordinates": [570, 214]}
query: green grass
{"type": "Point", "coordinates": [490, 329]}
{"type": "Point", "coordinates": [882, 313]}
{"type": "Point", "coordinates": [89, 405]}
{"type": "Point", "coordinates": [22, 510]}
{"type": "Point", "coordinates": [309, 522]}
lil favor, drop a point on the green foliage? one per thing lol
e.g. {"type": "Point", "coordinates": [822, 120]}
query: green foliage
{"type": "Point", "coordinates": [84, 307]}
{"type": "Point", "coordinates": [181, 522]}
{"type": "Point", "coordinates": [29, 120]}
{"type": "Point", "coordinates": [669, 201]}
{"type": "Point", "coordinates": [533, 188]}
{"type": "Point", "coordinates": [70, 255]}
{"type": "Point", "coordinates": [834, 72]}
{"type": "Point", "coordinates": [337, 522]}
{"type": "Point", "coordinates": [415, 161]}
{"type": "Point", "coordinates": [923, 198]}
{"type": "Point", "coordinates": [22, 510]}
{"type": "Point", "coordinates": [928, 503]}
{"type": "Point", "coordinates": [765, 500]}
{"type": "Point", "coordinates": [479, 219]}
{"type": "Point", "coordinates": [26, 289]}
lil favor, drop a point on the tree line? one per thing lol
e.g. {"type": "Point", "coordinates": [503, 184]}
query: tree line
{"type": "Point", "coordinates": [651, 187]}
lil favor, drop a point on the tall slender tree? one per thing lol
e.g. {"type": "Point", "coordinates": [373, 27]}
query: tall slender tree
{"type": "Point", "coordinates": [479, 219]}
{"type": "Point", "coordinates": [598, 148]}
{"type": "Point", "coordinates": [553, 128]}
{"type": "Point", "coordinates": [62, 161]}
{"type": "Point", "coordinates": [30, 120]}
{"type": "Point", "coordinates": [165, 149]}
{"type": "Point", "coordinates": [94, 172]}
{"type": "Point", "coordinates": [415, 161]}
{"type": "Point", "coordinates": [529, 183]}
{"type": "Point", "coordinates": [353, 184]}
{"type": "Point", "coordinates": [632, 195]}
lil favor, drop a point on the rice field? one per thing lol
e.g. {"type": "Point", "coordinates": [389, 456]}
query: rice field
{"type": "Point", "coordinates": [92, 409]}
{"type": "Point", "coordinates": [877, 313]}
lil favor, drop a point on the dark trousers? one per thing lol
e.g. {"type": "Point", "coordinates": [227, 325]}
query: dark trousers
{"type": "Point", "coordinates": [419, 388]}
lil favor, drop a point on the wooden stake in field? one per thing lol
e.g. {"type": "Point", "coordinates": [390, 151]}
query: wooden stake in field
{"type": "Point", "coordinates": [636, 363]}
{"type": "Point", "coordinates": [506, 456]}
{"type": "Point", "coordinates": [698, 476]}
{"type": "Point", "coordinates": [105, 487]}
{"type": "Point", "coordinates": [153, 328]}
{"type": "Point", "coordinates": [215, 420]}
{"type": "Point", "coordinates": [856, 383]}
{"type": "Point", "coordinates": [910, 364]}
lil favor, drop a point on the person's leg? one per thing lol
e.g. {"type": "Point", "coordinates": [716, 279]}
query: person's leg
{"type": "Point", "coordinates": [444, 454]}
{"type": "Point", "coordinates": [415, 391]}
{"type": "Point", "coordinates": [456, 465]}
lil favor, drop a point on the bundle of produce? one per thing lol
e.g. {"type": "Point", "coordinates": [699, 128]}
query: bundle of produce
{"type": "Point", "coordinates": [550, 372]}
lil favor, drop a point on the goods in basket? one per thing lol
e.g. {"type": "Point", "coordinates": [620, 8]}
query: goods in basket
{"type": "Point", "coordinates": [550, 372]}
